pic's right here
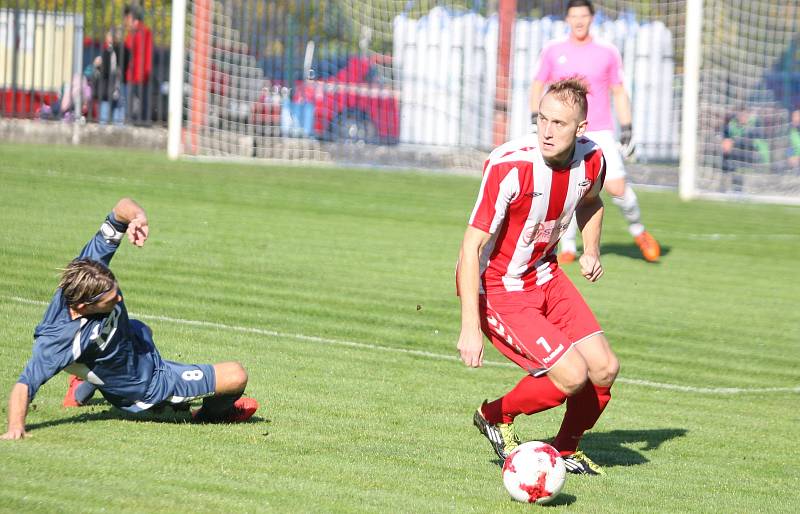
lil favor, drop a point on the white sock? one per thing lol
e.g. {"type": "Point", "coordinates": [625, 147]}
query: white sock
{"type": "Point", "coordinates": [629, 206]}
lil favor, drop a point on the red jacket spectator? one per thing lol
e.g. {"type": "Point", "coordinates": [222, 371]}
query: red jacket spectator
{"type": "Point", "coordinates": [140, 43]}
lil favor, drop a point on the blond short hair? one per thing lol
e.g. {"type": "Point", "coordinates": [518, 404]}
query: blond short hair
{"type": "Point", "coordinates": [572, 91]}
{"type": "Point", "coordinates": [84, 279]}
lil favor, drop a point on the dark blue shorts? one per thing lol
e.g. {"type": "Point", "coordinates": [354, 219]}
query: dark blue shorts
{"type": "Point", "coordinates": [170, 383]}
{"type": "Point", "coordinates": [190, 381]}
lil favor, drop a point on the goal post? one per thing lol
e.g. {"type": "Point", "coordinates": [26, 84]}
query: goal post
{"type": "Point", "coordinates": [691, 79]}
{"type": "Point", "coordinates": [176, 90]}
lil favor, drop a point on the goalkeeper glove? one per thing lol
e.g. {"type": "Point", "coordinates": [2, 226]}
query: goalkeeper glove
{"type": "Point", "coordinates": [626, 144]}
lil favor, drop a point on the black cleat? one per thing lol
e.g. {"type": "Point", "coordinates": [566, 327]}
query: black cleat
{"type": "Point", "coordinates": [502, 436]}
{"type": "Point", "coordinates": [579, 464]}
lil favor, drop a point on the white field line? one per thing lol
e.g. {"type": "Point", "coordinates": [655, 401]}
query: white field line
{"type": "Point", "coordinates": [734, 237]}
{"type": "Point", "coordinates": [429, 355]}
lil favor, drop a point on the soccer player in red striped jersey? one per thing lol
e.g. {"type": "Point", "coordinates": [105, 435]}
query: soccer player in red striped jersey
{"type": "Point", "coordinates": [512, 289]}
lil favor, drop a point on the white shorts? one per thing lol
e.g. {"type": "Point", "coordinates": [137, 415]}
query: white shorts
{"type": "Point", "coordinates": [605, 139]}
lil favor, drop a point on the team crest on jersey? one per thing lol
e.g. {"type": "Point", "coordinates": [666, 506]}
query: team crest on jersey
{"type": "Point", "coordinates": [584, 186]}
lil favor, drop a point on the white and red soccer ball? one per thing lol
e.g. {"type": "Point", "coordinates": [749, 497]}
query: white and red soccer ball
{"type": "Point", "coordinates": [534, 473]}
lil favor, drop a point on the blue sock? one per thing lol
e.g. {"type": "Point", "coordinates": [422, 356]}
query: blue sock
{"type": "Point", "coordinates": [84, 392]}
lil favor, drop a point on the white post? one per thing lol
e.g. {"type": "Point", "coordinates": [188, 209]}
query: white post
{"type": "Point", "coordinates": [175, 120]}
{"type": "Point", "coordinates": [691, 91]}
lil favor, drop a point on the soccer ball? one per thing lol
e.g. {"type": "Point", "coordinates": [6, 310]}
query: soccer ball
{"type": "Point", "coordinates": [534, 473]}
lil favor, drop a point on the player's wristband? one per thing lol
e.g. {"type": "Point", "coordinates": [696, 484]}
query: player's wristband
{"type": "Point", "coordinates": [112, 230]}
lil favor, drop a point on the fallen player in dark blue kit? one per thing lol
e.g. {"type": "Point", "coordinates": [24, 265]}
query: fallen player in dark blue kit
{"type": "Point", "coordinates": [86, 332]}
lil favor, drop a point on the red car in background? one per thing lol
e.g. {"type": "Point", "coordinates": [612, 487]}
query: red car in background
{"type": "Point", "coordinates": [348, 98]}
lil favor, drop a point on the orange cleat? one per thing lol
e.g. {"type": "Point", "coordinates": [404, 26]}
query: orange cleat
{"type": "Point", "coordinates": [651, 251]}
{"type": "Point", "coordinates": [69, 398]}
{"type": "Point", "coordinates": [566, 257]}
{"type": "Point", "coordinates": [243, 409]}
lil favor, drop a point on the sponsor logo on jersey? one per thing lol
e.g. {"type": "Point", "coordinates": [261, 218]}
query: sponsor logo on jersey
{"type": "Point", "coordinates": [543, 232]}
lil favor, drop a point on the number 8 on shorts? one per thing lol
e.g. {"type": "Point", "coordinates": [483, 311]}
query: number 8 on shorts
{"type": "Point", "coordinates": [192, 375]}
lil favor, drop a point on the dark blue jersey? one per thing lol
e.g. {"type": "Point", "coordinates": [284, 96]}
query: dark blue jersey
{"type": "Point", "coordinates": [110, 350]}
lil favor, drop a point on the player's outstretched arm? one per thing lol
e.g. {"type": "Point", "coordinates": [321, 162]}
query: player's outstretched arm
{"type": "Point", "coordinates": [470, 341]}
{"type": "Point", "coordinates": [129, 212]}
{"type": "Point", "coordinates": [589, 215]}
{"type": "Point", "coordinates": [17, 411]}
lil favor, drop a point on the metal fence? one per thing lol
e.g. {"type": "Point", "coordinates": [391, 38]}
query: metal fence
{"type": "Point", "coordinates": [103, 61]}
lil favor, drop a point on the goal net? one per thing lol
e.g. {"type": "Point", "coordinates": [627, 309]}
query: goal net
{"type": "Point", "coordinates": [749, 86]}
{"type": "Point", "coordinates": [439, 83]}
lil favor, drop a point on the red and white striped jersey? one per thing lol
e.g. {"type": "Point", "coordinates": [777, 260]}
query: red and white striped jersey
{"type": "Point", "coordinates": [526, 206]}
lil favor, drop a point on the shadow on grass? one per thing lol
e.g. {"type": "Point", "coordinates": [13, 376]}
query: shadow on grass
{"type": "Point", "coordinates": [561, 499]}
{"type": "Point", "coordinates": [628, 250]}
{"type": "Point", "coordinates": [166, 415]}
{"type": "Point", "coordinates": [610, 449]}
{"type": "Point", "coordinates": [613, 448]}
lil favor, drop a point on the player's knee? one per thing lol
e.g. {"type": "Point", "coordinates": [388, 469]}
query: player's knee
{"type": "Point", "coordinates": [231, 377]}
{"type": "Point", "coordinates": [239, 376]}
{"type": "Point", "coordinates": [574, 386]}
{"type": "Point", "coordinates": [570, 380]}
{"type": "Point", "coordinates": [606, 375]}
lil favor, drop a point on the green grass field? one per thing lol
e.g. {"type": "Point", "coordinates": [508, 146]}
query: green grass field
{"type": "Point", "coordinates": [335, 289]}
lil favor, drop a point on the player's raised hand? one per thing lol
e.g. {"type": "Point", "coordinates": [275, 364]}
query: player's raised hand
{"type": "Point", "coordinates": [591, 269]}
{"type": "Point", "coordinates": [470, 347]}
{"type": "Point", "coordinates": [130, 212]}
{"type": "Point", "coordinates": [138, 230]}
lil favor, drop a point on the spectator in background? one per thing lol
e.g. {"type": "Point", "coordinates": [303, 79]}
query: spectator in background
{"type": "Point", "coordinates": [75, 96]}
{"type": "Point", "coordinates": [742, 145]}
{"type": "Point", "coordinates": [794, 141]}
{"type": "Point", "coordinates": [109, 66]}
{"type": "Point", "coordinates": [743, 141]}
{"type": "Point", "coordinates": [139, 42]}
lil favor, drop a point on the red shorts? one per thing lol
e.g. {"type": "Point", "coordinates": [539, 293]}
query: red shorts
{"type": "Point", "coordinates": [536, 328]}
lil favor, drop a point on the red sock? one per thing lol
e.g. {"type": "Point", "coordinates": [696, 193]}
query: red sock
{"type": "Point", "coordinates": [583, 410]}
{"type": "Point", "coordinates": [529, 396]}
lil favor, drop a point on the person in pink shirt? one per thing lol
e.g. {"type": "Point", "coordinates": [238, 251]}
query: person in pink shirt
{"type": "Point", "coordinates": [601, 66]}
